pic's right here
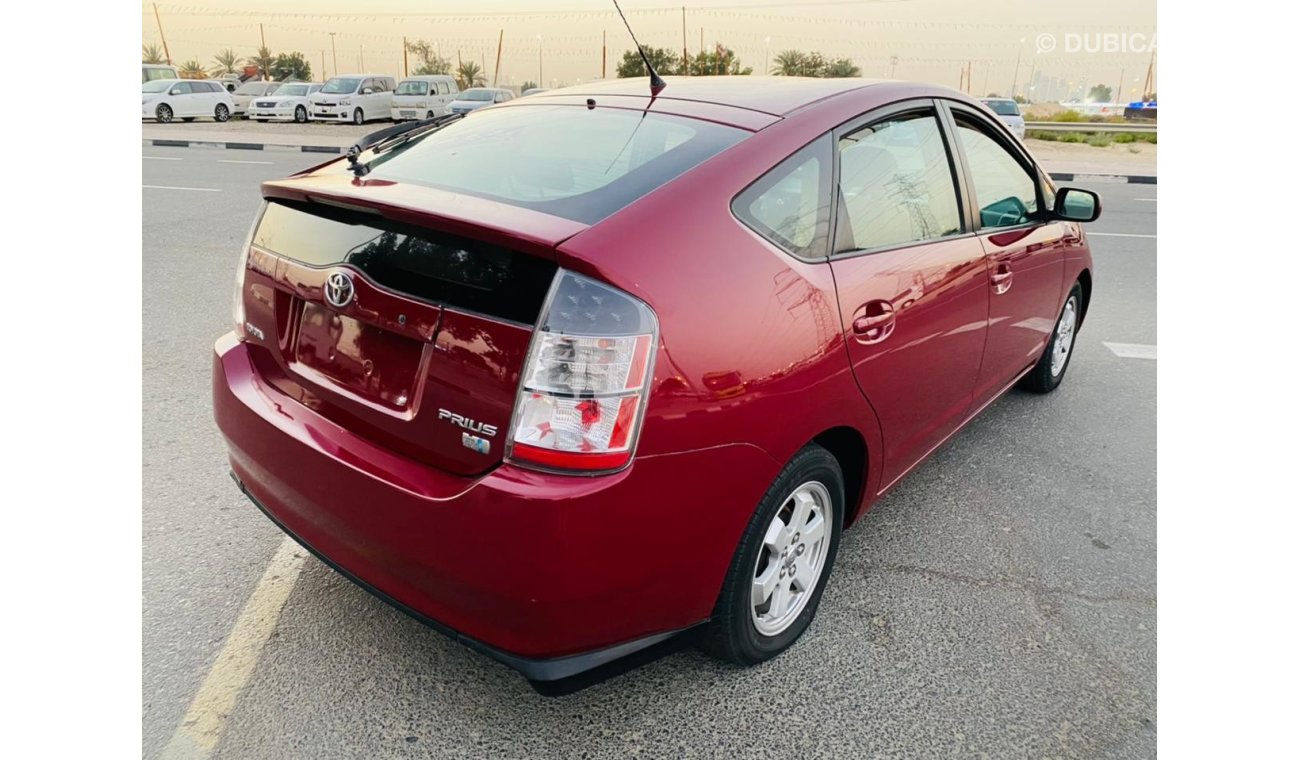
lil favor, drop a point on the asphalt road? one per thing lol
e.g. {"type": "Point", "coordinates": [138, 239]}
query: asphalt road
{"type": "Point", "coordinates": [1001, 601]}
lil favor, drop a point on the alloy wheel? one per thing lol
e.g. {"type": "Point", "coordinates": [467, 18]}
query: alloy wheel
{"type": "Point", "coordinates": [789, 565]}
{"type": "Point", "coordinates": [300, 114]}
{"type": "Point", "coordinates": [163, 114]}
{"type": "Point", "coordinates": [1064, 336]}
{"type": "Point", "coordinates": [223, 113]}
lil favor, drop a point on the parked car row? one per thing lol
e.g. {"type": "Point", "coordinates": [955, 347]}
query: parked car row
{"type": "Point", "coordinates": [347, 98]}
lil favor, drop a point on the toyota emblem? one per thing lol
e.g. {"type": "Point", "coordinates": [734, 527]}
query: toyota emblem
{"type": "Point", "coordinates": [339, 290]}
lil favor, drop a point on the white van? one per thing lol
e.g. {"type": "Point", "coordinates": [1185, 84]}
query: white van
{"type": "Point", "coordinates": [357, 98]}
{"type": "Point", "coordinates": [151, 71]}
{"type": "Point", "coordinates": [423, 97]}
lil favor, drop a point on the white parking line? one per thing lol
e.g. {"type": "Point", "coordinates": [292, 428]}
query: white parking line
{"type": "Point", "coordinates": [196, 189]}
{"type": "Point", "coordinates": [161, 158]}
{"type": "Point", "coordinates": [1120, 234]}
{"type": "Point", "coordinates": [232, 161]}
{"type": "Point", "coordinates": [1146, 200]}
{"type": "Point", "coordinates": [200, 730]}
{"type": "Point", "coordinates": [1131, 350]}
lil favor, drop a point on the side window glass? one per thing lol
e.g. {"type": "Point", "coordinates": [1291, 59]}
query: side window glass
{"type": "Point", "coordinates": [182, 88]}
{"type": "Point", "coordinates": [1005, 192]}
{"type": "Point", "coordinates": [897, 184]}
{"type": "Point", "coordinates": [790, 205]}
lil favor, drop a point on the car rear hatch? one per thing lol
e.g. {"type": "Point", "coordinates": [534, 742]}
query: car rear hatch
{"type": "Point", "coordinates": [420, 350]}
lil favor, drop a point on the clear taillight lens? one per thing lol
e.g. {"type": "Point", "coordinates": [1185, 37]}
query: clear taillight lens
{"type": "Point", "coordinates": [237, 309]}
{"type": "Point", "coordinates": [583, 391]}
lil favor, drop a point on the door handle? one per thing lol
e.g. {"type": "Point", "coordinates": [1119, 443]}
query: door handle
{"type": "Point", "coordinates": [1001, 278]}
{"type": "Point", "coordinates": [873, 322]}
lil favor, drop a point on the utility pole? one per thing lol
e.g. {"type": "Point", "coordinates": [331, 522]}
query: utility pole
{"type": "Point", "coordinates": [540, 81]}
{"type": "Point", "coordinates": [406, 69]}
{"type": "Point", "coordinates": [361, 57]}
{"type": "Point", "coordinates": [495, 72]}
{"type": "Point", "coordinates": [1146, 87]}
{"type": "Point", "coordinates": [322, 65]}
{"type": "Point", "coordinates": [686, 57]}
{"type": "Point", "coordinates": [334, 53]}
{"type": "Point", "coordinates": [262, 32]}
{"type": "Point", "coordinates": [603, 54]}
{"type": "Point", "coordinates": [1015, 78]}
{"type": "Point", "coordinates": [987, 66]}
{"type": "Point", "coordinates": [1119, 91]}
{"type": "Point", "coordinates": [265, 74]}
{"type": "Point", "coordinates": [767, 55]}
{"type": "Point", "coordinates": [168, 53]}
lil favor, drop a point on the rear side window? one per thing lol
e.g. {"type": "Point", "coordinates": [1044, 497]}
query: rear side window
{"type": "Point", "coordinates": [442, 89]}
{"type": "Point", "coordinates": [182, 88]}
{"type": "Point", "coordinates": [569, 161]}
{"type": "Point", "coordinates": [897, 184]}
{"type": "Point", "coordinates": [790, 205]}
{"type": "Point", "coordinates": [1005, 193]}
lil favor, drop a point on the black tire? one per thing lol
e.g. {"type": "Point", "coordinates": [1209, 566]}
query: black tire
{"type": "Point", "coordinates": [163, 113]}
{"type": "Point", "coordinates": [187, 119]}
{"type": "Point", "coordinates": [300, 115]}
{"type": "Point", "coordinates": [732, 634]}
{"type": "Point", "coordinates": [1041, 379]}
{"type": "Point", "coordinates": [358, 117]}
{"type": "Point", "coordinates": [222, 113]}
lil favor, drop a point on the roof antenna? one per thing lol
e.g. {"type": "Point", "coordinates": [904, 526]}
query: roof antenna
{"type": "Point", "coordinates": [656, 84]}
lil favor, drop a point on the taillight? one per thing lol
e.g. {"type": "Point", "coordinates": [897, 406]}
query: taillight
{"type": "Point", "coordinates": [583, 391]}
{"type": "Point", "coordinates": [238, 307]}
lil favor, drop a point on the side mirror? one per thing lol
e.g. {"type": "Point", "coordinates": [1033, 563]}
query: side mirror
{"type": "Point", "coordinates": [366, 91]}
{"type": "Point", "coordinates": [1077, 205]}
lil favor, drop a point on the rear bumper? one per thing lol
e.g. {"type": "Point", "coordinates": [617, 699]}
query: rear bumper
{"type": "Point", "coordinates": [550, 574]}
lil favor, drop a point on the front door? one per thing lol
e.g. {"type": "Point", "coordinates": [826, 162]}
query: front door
{"type": "Point", "coordinates": [1024, 247]}
{"type": "Point", "coordinates": [912, 282]}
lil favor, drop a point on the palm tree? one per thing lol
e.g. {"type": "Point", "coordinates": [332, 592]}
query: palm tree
{"type": "Point", "coordinates": [842, 67]}
{"type": "Point", "coordinates": [468, 74]}
{"type": "Point", "coordinates": [789, 63]}
{"type": "Point", "coordinates": [263, 61]}
{"type": "Point", "coordinates": [227, 62]}
{"type": "Point", "coordinates": [192, 69]}
{"type": "Point", "coordinates": [153, 55]}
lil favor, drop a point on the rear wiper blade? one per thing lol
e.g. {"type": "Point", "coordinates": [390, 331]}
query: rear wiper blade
{"type": "Point", "coordinates": [390, 138]}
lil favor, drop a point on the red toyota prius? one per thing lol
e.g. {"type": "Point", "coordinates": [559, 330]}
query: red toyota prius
{"type": "Point", "coordinates": [574, 374]}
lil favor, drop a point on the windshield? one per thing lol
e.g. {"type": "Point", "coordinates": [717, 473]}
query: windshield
{"type": "Point", "coordinates": [476, 94]}
{"type": "Point", "coordinates": [291, 89]}
{"type": "Point", "coordinates": [412, 88]}
{"type": "Point", "coordinates": [157, 85]}
{"type": "Point", "coordinates": [340, 85]}
{"type": "Point", "coordinates": [567, 161]}
{"type": "Point", "coordinates": [1003, 107]}
{"type": "Point", "coordinates": [251, 88]}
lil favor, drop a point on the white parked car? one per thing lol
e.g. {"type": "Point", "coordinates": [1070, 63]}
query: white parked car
{"type": "Point", "coordinates": [184, 99]}
{"type": "Point", "coordinates": [423, 97]}
{"type": "Point", "coordinates": [1009, 112]}
{"type": "Point", "coordinates": [357, 98]}
{"type": "Point", "coordinates": [245, 93]}
{"type": "Point", "coordinates": [152, 71]}
{"type": "Point", "coordinates": [478, 97]}
{"type": "Point", "coordinates": [289, 102]}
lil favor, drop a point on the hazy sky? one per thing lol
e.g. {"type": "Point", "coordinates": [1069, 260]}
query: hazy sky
{"type": "Point", "coordinates": [932, 39]}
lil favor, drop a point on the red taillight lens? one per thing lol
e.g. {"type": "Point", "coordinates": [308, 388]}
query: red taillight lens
{"type": "Point", "coordinates": [237, 311]}
{"type": "Point", "coordinates": [584, 387]}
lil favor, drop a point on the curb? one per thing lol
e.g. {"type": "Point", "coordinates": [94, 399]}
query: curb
{"type": "Point", "coordinates": [244, 146]}
{"type": "Point", "coordinates": [1132, 179]}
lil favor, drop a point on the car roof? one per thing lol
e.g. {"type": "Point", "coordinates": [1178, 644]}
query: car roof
{"type": "Point", "coordinates": [421, 77]}
{"type": "Point", "coordinates": [774, 95]}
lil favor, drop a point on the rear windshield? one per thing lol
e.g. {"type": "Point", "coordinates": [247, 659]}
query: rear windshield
{"type": "Point", "coordinates": [413, 88]}
{"type": "Point", "coordinates": [568, 161]}
{"type": "Point", "coordinates": [1003, 107]}
{"type": "Point", "coordinates": [476, 95]}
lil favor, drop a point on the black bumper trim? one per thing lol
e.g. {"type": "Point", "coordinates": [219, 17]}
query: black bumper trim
{"type": "Point", "coordinates": [537, 670]}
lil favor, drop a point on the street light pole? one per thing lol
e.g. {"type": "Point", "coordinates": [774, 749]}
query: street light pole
{"type": "Point", "coordinates": [334, 53]}
{"type": "Point", "coordinates": [767, 55]}
{"type": "Point", "coordinates": [540, 81]}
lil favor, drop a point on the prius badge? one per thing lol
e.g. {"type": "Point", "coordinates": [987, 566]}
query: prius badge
{"type": "Point", "coordinates": [467, 438]}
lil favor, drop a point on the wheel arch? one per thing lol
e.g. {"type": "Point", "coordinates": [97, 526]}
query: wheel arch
{"type": "Point", "coordinates": [849, 447]}
{"type": "Point", "coordinates": [1085, 284]}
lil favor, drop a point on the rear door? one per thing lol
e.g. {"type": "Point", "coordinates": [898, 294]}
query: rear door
{"type": "Point", "coordinates": [1025, 248]}
{"type": "Point", "coordinates": [911, 279]}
